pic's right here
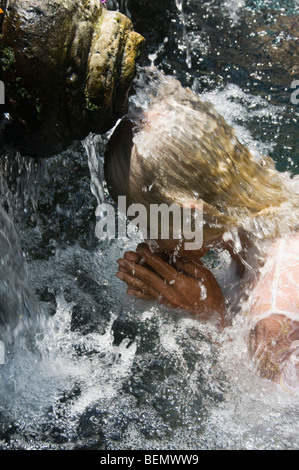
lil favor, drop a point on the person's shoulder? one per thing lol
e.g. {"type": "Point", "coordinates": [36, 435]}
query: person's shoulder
{"type": "Point", "coordinates": [292, 244]}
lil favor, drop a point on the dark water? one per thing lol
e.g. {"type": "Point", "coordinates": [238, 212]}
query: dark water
{"type": "Point", "coordinates": [103, 371]}
{"type": "Point", "coordinates": [217, 44]}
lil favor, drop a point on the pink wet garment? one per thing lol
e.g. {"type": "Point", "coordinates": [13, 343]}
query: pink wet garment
{"type": "Point", "coordinates": [276, 298]}
{"type": "Point", "coordinates": [277, 289]}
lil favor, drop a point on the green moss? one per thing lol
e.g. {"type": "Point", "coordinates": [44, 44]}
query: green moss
{"type": "Point", "coordinates": [98, 25]}
{"type": "Point", "coordinates": [89, 105]}
{"type": "Point", "coordinates": [21, 91]}
{"type": "Point", "coordinates": [7, 59]}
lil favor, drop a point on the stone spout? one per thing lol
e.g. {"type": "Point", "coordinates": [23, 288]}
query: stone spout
{"type": "Point", "coordinates": [67, 67]}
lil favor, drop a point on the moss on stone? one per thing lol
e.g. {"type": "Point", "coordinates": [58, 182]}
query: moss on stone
{"type": "Point", "coordinates": [21, 91]}
{"type": "Point", "coordinates": [89, 105]}
{"type": "Point", "coordinates": [7, 59]}
{"type": "Point", "coordinates": [40, 58]}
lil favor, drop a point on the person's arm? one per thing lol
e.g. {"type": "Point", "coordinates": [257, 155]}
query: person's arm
{"type": "Point", "coordinates": [190, 286]}
{"type": "Point", "coordinates": [274, 344]}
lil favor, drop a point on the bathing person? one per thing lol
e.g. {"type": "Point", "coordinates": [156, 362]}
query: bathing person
{"type": "Point", "coordinates": [175, 148]}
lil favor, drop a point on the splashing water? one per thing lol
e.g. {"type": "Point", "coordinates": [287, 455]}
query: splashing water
{"type": "Point", "coordinates": [95, 166]}
{"type": "Point", "coordinates": [179, 5]}
{"type": "Point", "coordinates": [110, 372]}
{"type": "Point", "coordinates": [103, 370]}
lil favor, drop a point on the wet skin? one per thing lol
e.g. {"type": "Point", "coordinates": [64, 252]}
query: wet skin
{"type": "Point", "coordinates": [273, 344]}
{"type": "Point", "coordinates": [154, 274]}
{"type": "Point", "coordinates": [182, 281]}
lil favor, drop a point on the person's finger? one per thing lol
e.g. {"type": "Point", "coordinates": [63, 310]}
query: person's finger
{"type": "Point", "coordinates": [152, 280]}
{"type": "Point", "coordinates": [148, 246]}
{"type": "Point", "coordinates": [121, 268]}
{"type": "Point", "coordinates": [141, 295]}
{"type": "Point", "coordinates": [201, 272]}
{"type": "Point", "coordinates": [140, 273]}
{"type": "Point", "coordinates": [132, 256]}
{"type": "Point", "coordinates": [130, 280]}
{"type": "Point", "coordinates": [155, 250]}
{"type": "Point", "coordinates": [161, 267]}
{"type": "Point", "coordinates": [143, 245]}
{"type": "Point", "coordinates": [193, 269]}
{"type": "Point", "coordinates": [135, 283]}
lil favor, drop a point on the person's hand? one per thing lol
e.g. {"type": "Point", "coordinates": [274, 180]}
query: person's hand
{"type": "Point", "coordinates": [188, 285]}
{"type": "Point", "coordinates": [274, 343]}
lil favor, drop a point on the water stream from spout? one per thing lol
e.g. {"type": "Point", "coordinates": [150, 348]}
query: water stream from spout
{"type": "Point", "coordinates": [179, 5]}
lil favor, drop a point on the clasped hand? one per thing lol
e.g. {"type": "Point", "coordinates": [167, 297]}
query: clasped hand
{"type": "Point", "coordinates": [177, 283]}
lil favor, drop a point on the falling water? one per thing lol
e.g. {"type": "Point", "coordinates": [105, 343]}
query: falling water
{"type": "Point", "coordinates": [102, 370]}
{"type": "Point", "coordinates": [179, 5]}
{"type": "Point", "coordinates": [95, 164]}
{"type": "Point", "coordinates": [121, 5]}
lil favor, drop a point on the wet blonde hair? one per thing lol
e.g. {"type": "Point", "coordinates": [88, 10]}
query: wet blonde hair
{"type": "Point", "coordinates": [178, 149]}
